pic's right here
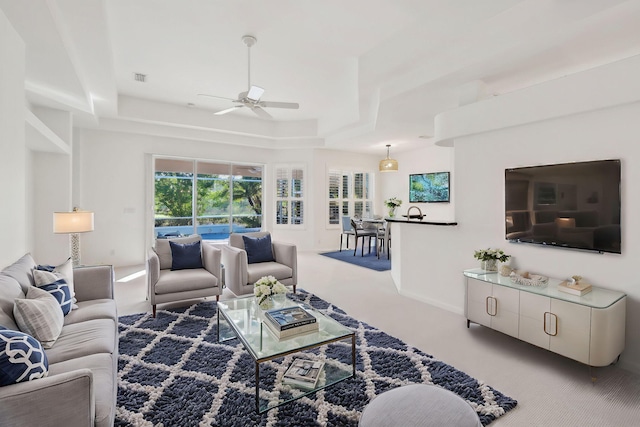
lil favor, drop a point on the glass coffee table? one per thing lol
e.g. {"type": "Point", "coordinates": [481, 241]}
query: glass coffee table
{"type": "Point", "coordinates": [242, 318]}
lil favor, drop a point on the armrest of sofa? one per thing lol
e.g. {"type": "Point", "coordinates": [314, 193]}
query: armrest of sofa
{"type": "Point", "coordinates": [93, 282]}
{"type": "Point", "coordinates": [65, 399]}
{"type": "Point", "coordinates": [153, 267]}
{"type": "Point", "coordinates": [287, 254]}
{"type": "Point", "coordinates": [211, 259]}
{"type": "Point", "coordinates": [235, 266]}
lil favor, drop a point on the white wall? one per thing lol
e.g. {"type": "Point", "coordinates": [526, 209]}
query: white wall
{"type": "Point", "coordinates": [13, 190]}
{"type": "Point", "coordinates": [114, 185]}
{"type": "Point", "coordinates": [428, 159]}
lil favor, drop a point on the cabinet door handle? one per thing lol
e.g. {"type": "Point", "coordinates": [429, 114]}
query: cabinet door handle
{"type": "Point", "coordinates": [548, 314]}
{"type": "Point", "coordinates": [491, 308]}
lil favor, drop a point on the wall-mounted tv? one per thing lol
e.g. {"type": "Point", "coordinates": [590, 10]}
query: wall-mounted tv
{"type": "Point", "coordinates": [570, 205]}
{"type": "Point", "coordinates": [432, 187]}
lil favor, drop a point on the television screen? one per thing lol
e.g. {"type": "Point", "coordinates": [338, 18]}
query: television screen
{"type": "Point", "coordinates": [429, 187]}
{"type": "Point", "coordinates": [572, 205]}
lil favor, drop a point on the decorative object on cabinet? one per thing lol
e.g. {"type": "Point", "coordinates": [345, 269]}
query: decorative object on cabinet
{"type": "Point", "coordinates": [489, 258]}
{"type": "Point", "coordinates": [505, 270]}
{"type": "Point", "coordinates": [575, 286]}
{"type": "Point", "coordinates": [525, 278]}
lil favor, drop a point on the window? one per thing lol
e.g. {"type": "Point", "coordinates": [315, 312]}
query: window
{"type": "Point", "coordinates": [350, 194]}
{"type": "Point", "coordinates": [206, 198]}
{"type": "Point", "coordinates": [289, 198]}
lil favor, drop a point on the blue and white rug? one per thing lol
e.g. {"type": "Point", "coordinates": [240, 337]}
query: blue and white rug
{"type": "Point", "coordinates": [172, 372]}
{"type": "Point", "coordinates": [369, 260]}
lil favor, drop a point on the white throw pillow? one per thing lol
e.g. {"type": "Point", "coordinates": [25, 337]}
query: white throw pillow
{"type": "Point", "coordinates": [39, 315]}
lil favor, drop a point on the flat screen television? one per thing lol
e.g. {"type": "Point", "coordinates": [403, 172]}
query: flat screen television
{"type": "Point", "coordinates": [432, 187]}
{"type": "Point", "coordinates": [570, 205]}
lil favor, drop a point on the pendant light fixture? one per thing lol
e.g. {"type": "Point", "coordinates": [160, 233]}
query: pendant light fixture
{"type": "Point", "coordinates": [388, 164]}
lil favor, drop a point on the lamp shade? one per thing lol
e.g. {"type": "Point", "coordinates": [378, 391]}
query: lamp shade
{"type": "Point", "coordinates": [388, 164]}
{"type": "Point", "coordinates": [72, 222]}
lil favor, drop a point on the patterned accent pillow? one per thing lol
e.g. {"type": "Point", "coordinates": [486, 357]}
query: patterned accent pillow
{"type": "Point", "coordinates": [60, 291]}
{"type": "Point", "coordinates": [47, 274]}
{"type": "Point", "coordinates": [21, 358]}
{"type": "Point", "coordinates": [62, 271]}
{"type": "Point", "coordinates": [39, 315]}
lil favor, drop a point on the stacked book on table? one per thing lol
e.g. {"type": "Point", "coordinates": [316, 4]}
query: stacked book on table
{"type": "Point", "coordinates": [303, 373]}
{"type": "Point", "coordinates": [289, 321]}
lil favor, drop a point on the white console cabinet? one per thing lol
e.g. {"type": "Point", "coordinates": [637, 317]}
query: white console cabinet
{"type": "Point", "coordinates": [588, 328]}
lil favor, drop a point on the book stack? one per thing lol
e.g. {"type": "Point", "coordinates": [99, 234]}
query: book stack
{"type": "Point", "coordinates": [289, 321]}
{"type": "Point", "coordinates": [303, 373]}
{"type": "Point", "coordinates": [576, 288]}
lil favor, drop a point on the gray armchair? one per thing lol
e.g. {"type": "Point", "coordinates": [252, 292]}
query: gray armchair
{"type": "Point", "coordinates": [240, 275]}
{"type": "Point", "coordinates": [169, 285]}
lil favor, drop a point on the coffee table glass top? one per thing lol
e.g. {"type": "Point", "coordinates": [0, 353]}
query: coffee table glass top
{"type": "Point", "coordinates": [247, 318]}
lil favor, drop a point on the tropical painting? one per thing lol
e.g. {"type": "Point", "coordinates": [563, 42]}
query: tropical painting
{"type": "Point", "coordinates": [429, 187]}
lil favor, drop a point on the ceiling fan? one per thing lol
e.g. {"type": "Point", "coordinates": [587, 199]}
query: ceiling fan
{"type": "Point", "coordinates": [251, 97]}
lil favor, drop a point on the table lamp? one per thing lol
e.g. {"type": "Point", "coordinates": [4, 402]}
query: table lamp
{"type": "Point", "coordinates": [73, 223]}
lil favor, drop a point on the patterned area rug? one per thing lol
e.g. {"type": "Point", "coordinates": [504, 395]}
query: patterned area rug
{"type": "Point", "coordinates": [172, 372]}
{"type": "Point", "coordinates": [369, 260]}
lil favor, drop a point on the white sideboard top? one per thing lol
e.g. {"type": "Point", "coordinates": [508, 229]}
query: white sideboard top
{"type": "Point", "coordinates": [597, 298]}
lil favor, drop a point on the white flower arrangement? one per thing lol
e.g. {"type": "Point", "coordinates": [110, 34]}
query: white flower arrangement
{"type": "Point", "coordinates": [393, 202]}
{"type": "Point", "coordinates": [266, 287]}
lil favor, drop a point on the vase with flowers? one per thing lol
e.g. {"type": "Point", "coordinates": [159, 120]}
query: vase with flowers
{"type": "Point", "coordinates": [392, 204]}
{"type": "Point", "coordinates": [489, 258]}
{"type": "Point", "coordinates": [267, 290]}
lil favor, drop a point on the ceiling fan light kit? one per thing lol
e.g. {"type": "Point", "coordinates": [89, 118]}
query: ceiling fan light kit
{"type": "Point", "coordinates": [388, 164]}
{"type": "Point", "coordinates": [251, 97]}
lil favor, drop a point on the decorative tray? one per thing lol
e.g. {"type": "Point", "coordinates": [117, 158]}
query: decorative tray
{"type": "Point", "coordinates": [529, 279]}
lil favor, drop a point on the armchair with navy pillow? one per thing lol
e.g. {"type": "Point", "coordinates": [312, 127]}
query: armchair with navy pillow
{"type": "Point", "coordinates": [182, 268]}
{"type": "Point", "coordinates": [250, 256]}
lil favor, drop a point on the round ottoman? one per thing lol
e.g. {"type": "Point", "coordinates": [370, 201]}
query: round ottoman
{"type": "Point", "coordinates": [419, 405]}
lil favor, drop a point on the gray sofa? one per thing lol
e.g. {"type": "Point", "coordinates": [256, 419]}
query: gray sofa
{"type": "Point", "coordinates": [81, 386]}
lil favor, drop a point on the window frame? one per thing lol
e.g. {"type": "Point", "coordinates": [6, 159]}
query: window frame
{"type": "Point", "coordinates": [346, 205]}
{"type": "Point", "coordinates": [288, 169]}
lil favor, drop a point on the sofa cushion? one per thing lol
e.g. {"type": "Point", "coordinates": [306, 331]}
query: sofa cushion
{"type": "Point", "coordinates": [39, 315]}
{"type": "Point", "coordinates": [83, 339]}
{"type": "Point", "coordinates": [60, 291]}
{"type": "Point", "coordinates": [10, 289]}
{"type": "Point", "coordinates": [258, 249]}
{"type": "Point", "coordinates": [172, 281]}
{"type": "Point", "coordinates": [185, 255]}
{"type": "Point", "coordinates": [22, 358]}
{"type": "Point", "coordinates": [163, 249]}
{"type": "Point", "coordinates": [22, 271]}
{"type": "Point", "coordinates": [101, 366]}
{"type": "Point", "coordinates": [91, 310]}
{"type": "Point", "coordinates": [279, 271]}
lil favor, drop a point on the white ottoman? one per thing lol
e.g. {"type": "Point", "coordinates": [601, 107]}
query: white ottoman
{"type": "Point", "coordinates": [419, 405]}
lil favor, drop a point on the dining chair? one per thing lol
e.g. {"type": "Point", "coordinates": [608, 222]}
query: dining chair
{"type": "Point", "coordinates": [347, 229]}
{"type": "Point", "coordinates": [363, 233]}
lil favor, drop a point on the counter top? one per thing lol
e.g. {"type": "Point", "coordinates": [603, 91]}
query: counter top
{"type": "Point", "coordinates": [418, 221]}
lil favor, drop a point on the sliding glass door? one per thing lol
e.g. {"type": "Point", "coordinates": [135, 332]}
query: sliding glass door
{"type": "Point", "coordinates": [206, 198]}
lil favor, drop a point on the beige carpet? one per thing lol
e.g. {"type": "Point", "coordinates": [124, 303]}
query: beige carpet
{"type": "Point", "coordinates": [551, 390]}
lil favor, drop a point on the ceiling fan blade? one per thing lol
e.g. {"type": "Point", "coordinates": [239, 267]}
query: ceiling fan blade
{"type": "Point", "coordinates": [260, 112]}
{"type": "Point", "coordinates": [270, 104]}
{"type": "Point", "coordinates": [215, 96]}
{"type": "Point", "coordinates": [227, 110]}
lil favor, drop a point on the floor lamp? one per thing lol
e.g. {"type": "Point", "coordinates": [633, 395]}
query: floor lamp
{"type": "Point", "coordinates": [73, 223]}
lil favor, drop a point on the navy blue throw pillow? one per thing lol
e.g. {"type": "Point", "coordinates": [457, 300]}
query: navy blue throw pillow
{"type": "Point", "coordinates": [185, 255]}
{"type": "Point", "coordinates": [22, 357]}
{"type": "Point", "coordinates": [258, 249]}
{"type": "Point", "coordinates": [61, 292]}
